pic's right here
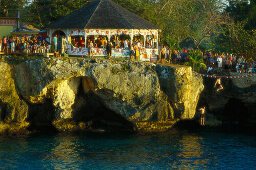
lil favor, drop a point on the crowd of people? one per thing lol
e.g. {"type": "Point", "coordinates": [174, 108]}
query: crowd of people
{"type": "Point", "coordinates": [215, 62]}
{"type": "Point", "coordinates": [135, 48]}
{"type": "Point", "coordinates": [25, 44]}
{"type": "Point", "coordinates": [115, 41]}
{"type": "Point", "coordinates": [228, 62]}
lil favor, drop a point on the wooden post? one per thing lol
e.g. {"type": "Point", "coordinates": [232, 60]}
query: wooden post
{"type": "Point", "coordinates": [85, 38]}
{"type": "Point", "coordinates": [157, 40]}
{"type": "Point", "coordinates": [109, 36]}
{"type": "Point", "coordinates": [50, 37]}
{"type": "Point", "coordinates": [131, 37]}
{"type": "Point", "coordinates": [144, 40]}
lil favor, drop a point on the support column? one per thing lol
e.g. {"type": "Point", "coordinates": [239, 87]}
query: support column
{"type": "Point", "coordinates": [109, 36]}
{"type": "Point", "coordinates": [131, 38]}
{"type": "Point", "coordinates": [85, 38]}
{"type": "Point", "coordinates": [85, 41]}
{"type": "Point", "coordinates": [50, 39]}
{"type": "Point", "coordinates": [144, 40]}
{"type": "Point", "coordinates": [67, 35]}
{"type": "Point", "coordinates": [157, 40]}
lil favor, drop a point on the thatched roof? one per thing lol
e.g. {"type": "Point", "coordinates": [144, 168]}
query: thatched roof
{"type": "Point", "coordinates": [103, 14]}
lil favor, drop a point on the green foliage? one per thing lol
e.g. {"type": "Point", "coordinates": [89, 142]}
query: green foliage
{"type": "Point", "coordinates": [240, 36]}
{"type": "Point", "coordinates": [173, 43]}
{"type": "Point", "coordinates": [180, 19]}
{"type": "Point", "coordinates": [42, 12]}
{"type": "Point", "coordinates": [196, 60]}
{"type": "Point", "coordinates": [243, 41]}
{"type": "Point", "coordinates": [8, 8]}
{"type": "Point", "coordinates": [243, 10]}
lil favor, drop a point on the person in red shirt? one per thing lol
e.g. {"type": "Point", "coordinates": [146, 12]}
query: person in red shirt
{"type": "Point", "coordinates": [81, 42]}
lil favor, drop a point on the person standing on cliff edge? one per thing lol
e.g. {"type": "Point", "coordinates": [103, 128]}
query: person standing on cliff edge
{"type": "Point", "coordinates": [202, 116]}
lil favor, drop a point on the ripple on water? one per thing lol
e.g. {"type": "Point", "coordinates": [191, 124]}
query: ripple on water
{"type": "Point", "coordinates": [174, 150]}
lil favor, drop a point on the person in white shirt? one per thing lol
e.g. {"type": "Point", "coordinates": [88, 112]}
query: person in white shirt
{"type": "Point", "coordinates": [139, 45]}
{"type": "Point", "coordinates": [219, 60]}
{"type": "Point", "coordinates": [126, 44]}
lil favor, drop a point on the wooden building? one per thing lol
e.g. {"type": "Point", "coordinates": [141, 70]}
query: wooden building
{"type": "Point", "coordinates": [103, 20]}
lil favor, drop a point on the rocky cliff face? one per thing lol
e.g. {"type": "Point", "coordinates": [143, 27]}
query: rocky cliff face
{"type": "Point", "coordinates": [79, 94]}
{"type": "Point", "coordinates": [12, 108]}
{"type": "Point", "coordinates": [235, 104]}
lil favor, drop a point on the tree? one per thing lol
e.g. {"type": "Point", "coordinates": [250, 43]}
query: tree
{"type": "Point", "coordinates": [243, 10]}
{"type": "Point", "coordinates": [243, 41]}
{"type": "Point", "coordinates": [240, 35]}
{"type": "Point", "coordinates": [196, 60]}
{"type": "Point", "coordinates": [199, 20]}
{"type": "Point", "coordinates": [180, 19]}
{"type": "Point", "coordinates": [42, 12]}
{"type": "Point", "coordinates": [8, 7]}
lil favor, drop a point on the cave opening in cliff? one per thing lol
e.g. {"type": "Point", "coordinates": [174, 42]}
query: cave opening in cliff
{"type": "Point", "coordinates": [235, 112]}
{"type": "Point", "coordinates": [90, 108]}
{"type": "Point", "coordinates": [41, 116]}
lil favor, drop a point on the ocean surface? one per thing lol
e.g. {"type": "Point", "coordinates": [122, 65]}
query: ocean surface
{"type": "Point", "coordinates": [177, 149]}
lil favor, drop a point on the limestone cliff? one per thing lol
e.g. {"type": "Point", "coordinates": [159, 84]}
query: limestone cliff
{"type": "Point", "coordinates": [235, 104]}
{"type": "Point", "coordinates": [75, 93]}
{"type": "Point", "coordinates": [13, 110]}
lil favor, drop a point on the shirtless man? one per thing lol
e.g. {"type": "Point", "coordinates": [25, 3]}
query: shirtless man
{"type": "Point", "coordinates": [202, 116]}
{"type": "Point", "coordinates": [218, 82]}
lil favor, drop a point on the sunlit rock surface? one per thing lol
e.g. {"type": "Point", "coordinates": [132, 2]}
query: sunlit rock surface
{"type": "Point", "coordinates": [13, 108]}
{"type": "Point", "coordinates": [110, 93]}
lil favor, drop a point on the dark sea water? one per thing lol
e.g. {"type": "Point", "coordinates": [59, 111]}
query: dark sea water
{"type": "Point", "coordinates": [179, 149]}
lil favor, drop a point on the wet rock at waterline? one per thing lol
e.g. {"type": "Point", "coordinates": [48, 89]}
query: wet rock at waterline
{"type": "Point", "coordinates": [84, 94]}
